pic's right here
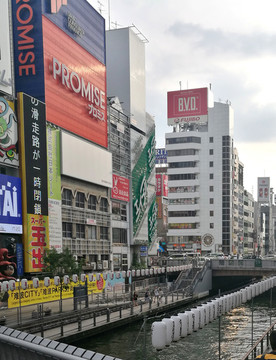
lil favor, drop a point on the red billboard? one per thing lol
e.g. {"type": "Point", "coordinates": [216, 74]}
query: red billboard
{"type": "Point", "coordinates": [165, 185]}
{"type": "Point", "coordinates": [187, 106]}
{"type": "Point", "coordinates": [75, 86]}
{"type": "Point", "coordinates": [120, 188]}
{"type": "Point", "coordinates": [264, 189]}
{"type": "Point", "coordinates": [158, 184]}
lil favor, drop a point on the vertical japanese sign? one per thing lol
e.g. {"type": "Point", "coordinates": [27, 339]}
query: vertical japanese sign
{"type": "Point", "coordinates": [54, 188]}
{"type": "Point", "coordinates": [152, 221]}
{"type": "Point", "coordinates": [34, 181]}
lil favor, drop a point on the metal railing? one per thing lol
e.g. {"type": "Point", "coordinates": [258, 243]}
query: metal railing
{"type": "Point", "coordinates": [260, 346]}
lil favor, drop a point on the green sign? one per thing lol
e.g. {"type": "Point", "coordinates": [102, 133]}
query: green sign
{"type": "Point", "coordinates": [54, 178]}
{"type": "Point", "coordinates": [152, 220]}
{"type": "Point", "coordinates": [140, 175]}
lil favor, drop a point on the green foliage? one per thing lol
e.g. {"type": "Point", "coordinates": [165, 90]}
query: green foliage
{"type": "Point", "coordinates": [136, 264]}
{"type": "Point", "coordinates": [59, 264]}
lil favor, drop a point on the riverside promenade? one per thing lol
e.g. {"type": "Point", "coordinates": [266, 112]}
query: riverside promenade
{"type": "Point", "coordinates": [72, 325]}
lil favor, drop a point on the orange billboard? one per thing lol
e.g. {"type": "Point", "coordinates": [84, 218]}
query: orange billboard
{"type": "Point", "coordinates": [75, 86]}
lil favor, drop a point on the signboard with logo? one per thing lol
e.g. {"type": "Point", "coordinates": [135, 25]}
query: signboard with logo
{"type": "Point", "coordinates": [34, 180]}
{"type": "Point", "coordinates": [120, 188]}
{"type": "Point", "coordinates": [264, 189]}
{"type": "Point", "coordinates": [152, 220]}
{"type": "Point", "coordinates": [28, 48]}
{"type": "Point", "coordinates": [188, 106]}
{"type": "Point", "coordinates": [8, 134]}
{"type": "Point", "coordinates": [158, 184]}
{"type": "Point", "coordinates": [5, 51]}
{"type": "Point", "coordinates": [66, 72]}
{"type": "Point", "coordinates": [161, 156]}
{"type": "Point", "coordinates": [10, 205]}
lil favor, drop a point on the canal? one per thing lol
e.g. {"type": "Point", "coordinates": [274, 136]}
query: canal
{"type": "Point", "coordinates": [133, 342]}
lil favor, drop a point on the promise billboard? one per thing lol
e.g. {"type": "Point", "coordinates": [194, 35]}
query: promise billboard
{"type": "Point", "coordinates": [188, 106]}
{"type": "Point", "coordinates": [57, 62]}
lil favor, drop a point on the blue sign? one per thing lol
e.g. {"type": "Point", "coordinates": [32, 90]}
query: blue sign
{"type": "Point", "coordinates": [10, 205]}
{"type": "Point", "coordinates": [19, 259]}
{"type": "Point", "coordinates": [143, 248]}
{"type": "Point", "coordinates": [28, 48]}
{"type": "Point", "coordinates": [79, 20]}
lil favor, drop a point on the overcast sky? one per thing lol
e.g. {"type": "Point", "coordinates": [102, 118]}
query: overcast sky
{"type": "Point", "coordinates": [230, 44]}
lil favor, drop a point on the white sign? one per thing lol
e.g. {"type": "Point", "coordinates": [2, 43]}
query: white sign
{"type": "Point", "coordinates": [5, 52]}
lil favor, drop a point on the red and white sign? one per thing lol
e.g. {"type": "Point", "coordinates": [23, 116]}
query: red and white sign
{"type": "Point", "coordinates": [188, 106]}
{"type": "Point", "coordinates": [158, 184]}
{"type": "Point", "coordinates": [263, 189]}
{"type": "Point", "coordinates": [165, 185]}
{"type": "Point", "coordinates": [120, 189]}
{"type": "Point", "coordinates": [75, 86]}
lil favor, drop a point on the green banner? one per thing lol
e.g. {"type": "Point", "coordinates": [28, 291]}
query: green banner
{"type": "Point", "coordinates": [152, 220]}
{"type": "Point", "coordinates": [54, 178]}
{"type": "Point", "coordinates": [140, 175]}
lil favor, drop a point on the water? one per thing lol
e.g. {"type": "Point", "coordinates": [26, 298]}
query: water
{"type": "Point", "coordinates": [133, 342]}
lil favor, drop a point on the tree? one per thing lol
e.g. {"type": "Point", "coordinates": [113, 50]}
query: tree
{"type": "Point", "coordinates": [59, 264]}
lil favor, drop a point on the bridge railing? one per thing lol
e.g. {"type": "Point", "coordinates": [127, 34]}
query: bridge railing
{"type": "Point", "coordinates": [260, 346]}
{"type": "Point", "coordinates": [246, 264]}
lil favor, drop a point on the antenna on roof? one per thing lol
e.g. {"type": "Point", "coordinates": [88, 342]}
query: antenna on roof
{"type": "Point", "coordinates": [100, 7]}
{"type": "Point", "coordinates": [180, 84]}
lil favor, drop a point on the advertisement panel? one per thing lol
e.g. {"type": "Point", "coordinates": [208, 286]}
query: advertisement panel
{"type": "Point", "coordinates": [140, 175]}
{"type": "Point", "coordinates": [165, 185]}
{"type": "Point", "coordinates": [85, 161]}
{"type": "Point", "coordinates": [264, 189]}
{"type": "Point", "coordinates": [158, 178]}
{"type": "Point", "coordinates": [54, 188]}
{"type": "Point", "coordinates": [152, 221]}
{"type": "Point", "coordinates": [28, 48]}
{"type": "Point", "coordinates": [75, 86]}
{"type": "Point", "coordinates": [120, 189]}
{"type": "Point", "coordinates": [5, 50]}
{"type": "Point", "coordinates": [188, 106]}
{"type": "Point", "coordinates": [160, 156]}
{"type": "Point", "coordinates": [9, 257]}
{"type": "Point", "coordinates": [10, 205]}
{"type": "Point", "coordinates": [34, 180]}
{"type": "Point", "coordinates": [8, 134]}
{"type": "Point", "coordinates": [80, 21]}
{"type": "Point", "coordinates": [159, 207]}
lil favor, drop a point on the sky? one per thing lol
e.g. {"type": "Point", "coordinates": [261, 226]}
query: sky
{"type": "Point", "coordinates": [228, 44]}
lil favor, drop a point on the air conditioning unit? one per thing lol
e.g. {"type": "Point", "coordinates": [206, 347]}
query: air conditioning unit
{"type": "Point", "coordinates": [94, 266]}
{"type": "Point", "coordinates": [105, 264]}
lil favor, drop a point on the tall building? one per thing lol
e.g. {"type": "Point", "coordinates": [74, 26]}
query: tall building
{"type": "Point", "coordinates": [125, 53]}
{"type": "Point", "coordinates": [200, 172]}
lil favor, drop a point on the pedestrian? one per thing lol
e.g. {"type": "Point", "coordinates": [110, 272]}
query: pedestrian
{"type": "Point", "coordinates": [156, 294]}
{"type": "Point", "coordinates": [147, 296]}
{"type": "Point", "coordinates": [135, 298]}
{"type": "Point", "coordinates": [161, 294]}
{"type": "Point", "coordinates": [272, 354]}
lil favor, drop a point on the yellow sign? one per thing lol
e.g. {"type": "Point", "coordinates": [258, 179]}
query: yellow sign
{"type": "Point", "coordinates": [44, 294]}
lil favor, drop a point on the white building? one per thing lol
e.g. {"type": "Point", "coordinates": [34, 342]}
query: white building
{"type": "Point", "coordinates": [199, 154]}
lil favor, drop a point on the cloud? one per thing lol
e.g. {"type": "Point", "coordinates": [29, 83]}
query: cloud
{"type": "Point", "coordinates": [216, 41]}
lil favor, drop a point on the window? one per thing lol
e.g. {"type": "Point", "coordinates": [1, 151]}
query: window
{"type": "Point", "coordinates": [211, 225]}
{"type": "Point", "coordinates": [103, 233]}
{"type": "Point", "coordinates": [211, 139]}
{"type": "Point", "coordinates": [211, 164]}
{"type": "Point", "coordinates": [67, 230]}
{"type": "Point", "coordinates": [211, 176]}
{"type": "Point", "coordinates": [119, 236]}
{"type": "Point", "coordinates": [91, 232]}
{"type": "Point", "coordinates": [80, 231]}
{"type": "Point", "coordinates": [211, 188]}
{"type": "Point", "coordinates": [104, 205]}
{"type": "Point", "coordinates": [119, 211]}
{"type": "Point", "coordinates": [211, 200]}
{"type": "Point", "coordinates": [211, 213]}
{"type": "Point", "coordinates": [92, 201]}
{"type": "Point", "coordinates": [80, 199]}
{"type": "Point", "coordinates": [211, 151]}
{"type": "Point", "coordinates": [67, 197]}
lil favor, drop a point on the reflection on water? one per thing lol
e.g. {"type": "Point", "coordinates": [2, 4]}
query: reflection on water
{"type": "Point", "coordinates": [133, 342]}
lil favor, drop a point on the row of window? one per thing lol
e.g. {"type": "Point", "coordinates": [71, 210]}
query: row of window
{"type": "Point", "coordinates": [182, 189]}
{"type": "Point", "coordinates": [180, 201]}
{"type": "Point", "coordinates": [182, 177]}
{"type": "Point", "coordinates": [68, 200]}
{"type": "Point", "coordinates": [184, 164]}
{"type": "Point", "coordinates": [81, 230]}
{"type": "Point", "coordinates": [183, 140]}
